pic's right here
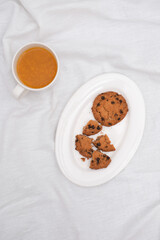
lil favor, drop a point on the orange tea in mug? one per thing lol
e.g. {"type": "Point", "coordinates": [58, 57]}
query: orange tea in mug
{"type": "Point", "coordinates": [36, 67]}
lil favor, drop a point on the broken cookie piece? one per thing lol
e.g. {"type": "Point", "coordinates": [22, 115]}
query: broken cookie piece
{"type": "Point", "coordinates": [103, 143]}
{"type": "Point", "coordinates": [91, 128]}
{"type": "Point", "coordinates": [84, 145]}
{"type": "Point", "coordinates": [99, 160]}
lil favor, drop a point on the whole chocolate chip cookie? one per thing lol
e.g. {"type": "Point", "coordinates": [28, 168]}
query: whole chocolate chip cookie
{"type": "Point", "coordinates": [99, 160]}
{"type": "Point", "coordinates": [103, 143]}
{"type": "Point", "coordinates": [109, 108]}
{"type": "Point", "coordinates": [84, 145]}
{"type": "Point", "coordinates": [91, 128]}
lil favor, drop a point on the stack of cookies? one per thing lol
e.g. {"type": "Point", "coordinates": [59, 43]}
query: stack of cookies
{"type": "Point", "coordinates": [108, 109]}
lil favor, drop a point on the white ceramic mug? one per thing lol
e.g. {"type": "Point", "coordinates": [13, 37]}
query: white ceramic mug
{"type": "Point", "coordinates": [20, 87]}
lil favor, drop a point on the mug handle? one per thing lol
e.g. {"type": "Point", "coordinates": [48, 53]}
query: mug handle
{"type": "Point", "coordinates": [19, 91]}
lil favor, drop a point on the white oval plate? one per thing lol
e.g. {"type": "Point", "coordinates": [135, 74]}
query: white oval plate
{"type": "Point", "coordinates": [125, 135]}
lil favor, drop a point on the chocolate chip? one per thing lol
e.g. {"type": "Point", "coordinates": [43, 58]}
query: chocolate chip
{"type": "Point", "coordinates": [92, 161]}
{"type": "Point", "coordinates": [98, 144]}
{"type": "Point", "coordinates": [76, 140]}
{"type": "Point", "coordinates": [119, 119]}
{"type": "Point", "coordinates": [115, 114]}
{"type": "Point", "coordinates": [102, 97]}
{"type": "Point", "coordinates": [102, 118]}
{"type": "Point", "coordinates": [89, 153]}
{"type": "Point", "coordinates": [106, 146]}
{"type": "Point", "coordinates": [93, 127]}
{"type": "Point", "coordinates": [121, 111]}
{"type": "Point", "coordinates": [110, 124]}
{"type": "Point", "coordinates": [117, 98]}
{"type": "Point", "coordinates": [98, 104]}
{"type": "Point", "coordinates": [108, 157]}
{"type": "Point", "coordinates": [98, 128]}
{"type": "Point", "coordinates": [104, 155]}
{"type": "Point", "coordinates": [89, 126]}
{"type": "Point", "coordinates": [120, 101]}
{"type": "Point", "coordinates": [98, 159]}
{"type": "Point", "coordinates": [107, 100]}
{"type": "Point", "coordinates": [112, 102]}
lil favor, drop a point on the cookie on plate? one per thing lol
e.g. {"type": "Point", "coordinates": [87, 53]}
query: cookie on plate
{"type": "Point", "coordinates": [84, 145]}
{"type": "Point", "coordinates": [109, 108]}
{"type": "Point", "coordinates": [99, 160]}
{"type": "Point", "coordinates": [103, 143]}
{"type": "Point", "coordinates": [91, 128]}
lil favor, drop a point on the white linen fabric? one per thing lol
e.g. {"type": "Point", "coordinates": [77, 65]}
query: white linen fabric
{"type": "Point", "coordinates": [90, 38]}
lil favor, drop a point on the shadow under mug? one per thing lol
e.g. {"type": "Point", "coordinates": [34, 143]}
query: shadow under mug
{"type": "Point", "coordinates": [20, 87]}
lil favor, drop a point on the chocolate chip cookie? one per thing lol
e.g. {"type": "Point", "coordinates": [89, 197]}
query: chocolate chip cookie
{"type": "Point", "coordinates": [91, 128]}
{"type": "Point", "coordinates": [103, 143]}
{"type": "Point", "coordinates": [84, 145]}
{"type": "Point", "coordinates": [109, 108]}
{"type": "Point", "coordinates": [99, 160]}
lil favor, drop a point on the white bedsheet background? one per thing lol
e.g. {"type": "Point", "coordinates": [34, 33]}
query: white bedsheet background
{"type": "Point", "coordinates": [90, 37]}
